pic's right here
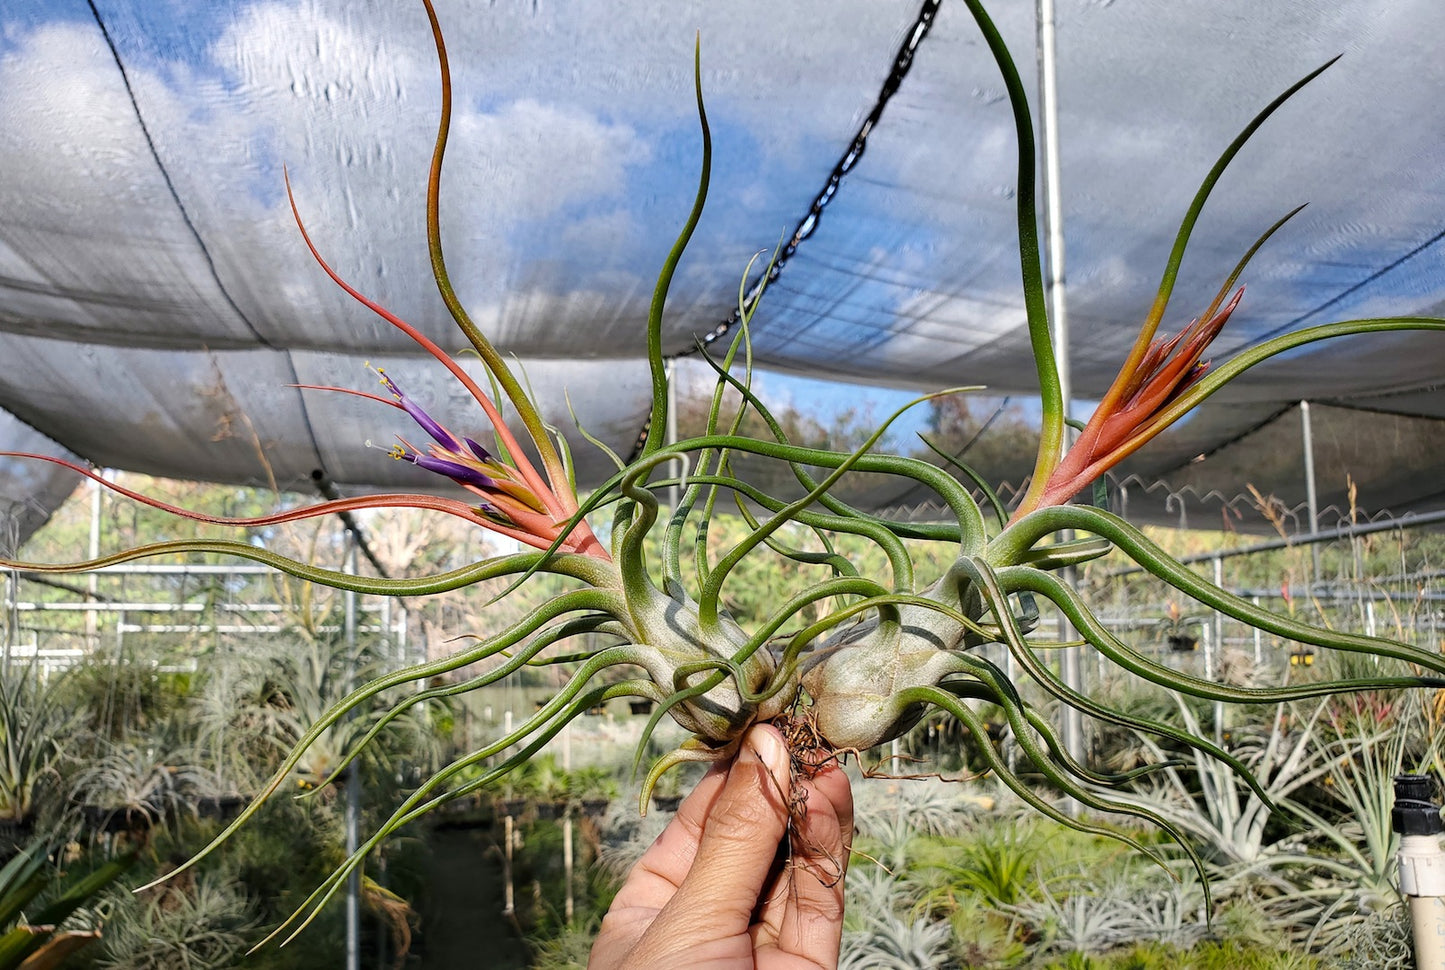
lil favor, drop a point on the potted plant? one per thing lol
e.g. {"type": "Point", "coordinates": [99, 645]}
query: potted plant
{"type": "Point", "coordinates": [1176, 629]}
{"type": "Point", "coordinates": [593, 788]}
{"type": "Point", "coordinates": [132, 787]}
{"type": "Point", "coordinates": [549, 786]}
{"type": "Point", "coordinates": [32, 724]}
{"type": "Point", "coordinates": [667, 794]}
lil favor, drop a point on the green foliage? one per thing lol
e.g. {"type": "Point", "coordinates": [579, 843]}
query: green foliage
{"type": "Point", "coordinates": [203, 924]}
{"type": "Point", "coordinates": [991, 436]}
{"type": "Point", "coordinates": [998, 863]}
{"type": "Point", "coordinates": [1209, 955]}
{"type": "Point", "coordinates": [33, 725]}
{"type": "Point", "coordinates": [37, 897]}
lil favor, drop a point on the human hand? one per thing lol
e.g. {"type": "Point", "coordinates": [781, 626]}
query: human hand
{"type": "Point", "coordinates": [720, 890]}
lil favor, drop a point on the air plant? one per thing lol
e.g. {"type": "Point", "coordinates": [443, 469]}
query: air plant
{"type": "Point", "coordinates": [888, 650]}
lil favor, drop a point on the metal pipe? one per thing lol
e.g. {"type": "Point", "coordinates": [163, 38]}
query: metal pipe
{"type": "Point", "coordinates": [509, 905]}
{"type": "Point", "coordinates": [1307, 441]}
{"type": "Point", "coordinates": [676, 468]}
{"type": "Point", "coordinates": [93, 552]}
{"type": "Point", "coordinates": [1219, 713]}
{"type": "Point", "coordinates": [353, 786]}
{"type": "Point", "coordinates": [569, 906]}
{"type": "Point", "coordinates": [1053, 205]}
{"type": "Point", "coordinates": [1326, 535]}
{"type": "Point", "coordinates": [1259, 639]}
{"type": "Point", "coordinates": [12, 621]}
{"type": "Point", "coordinates": [1070, 669]}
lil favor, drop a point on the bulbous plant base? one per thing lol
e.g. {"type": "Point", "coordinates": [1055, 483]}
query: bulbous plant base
{"type": "Point", "coordinates": [808, 751]}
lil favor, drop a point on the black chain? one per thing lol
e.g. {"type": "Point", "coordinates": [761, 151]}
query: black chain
{"type": "Point", "coordinates": [902, 62]}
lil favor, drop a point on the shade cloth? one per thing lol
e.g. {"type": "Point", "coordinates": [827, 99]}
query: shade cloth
{"type": "Point", "coordinates": [157, 306]}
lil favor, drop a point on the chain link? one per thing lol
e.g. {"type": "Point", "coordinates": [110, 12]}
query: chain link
{"type": "Point", "coordinates": [902, 62]}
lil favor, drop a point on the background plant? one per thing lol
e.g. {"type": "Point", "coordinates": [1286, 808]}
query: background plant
{"type": "Point", "coordinates": [852, 659]}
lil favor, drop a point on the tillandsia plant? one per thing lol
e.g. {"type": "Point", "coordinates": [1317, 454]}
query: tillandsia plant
{"type": "Point", "coordinates": [889, 649]}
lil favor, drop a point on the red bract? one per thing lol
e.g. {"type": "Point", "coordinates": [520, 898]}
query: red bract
{"type": "Point", "coordinates": [1130, 413]}
{"type": "Point", "coordinates": [519, 501]}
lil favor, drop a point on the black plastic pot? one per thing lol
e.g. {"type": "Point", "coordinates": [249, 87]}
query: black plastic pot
{"type": "Point", "coordinates": [223, 807]}
{"type": "Point", "coordinates": [14, 835]}
{"type": "Point", "coordinates": [640, 707]}
{"type": "Point", "coordinates": [105, 820]}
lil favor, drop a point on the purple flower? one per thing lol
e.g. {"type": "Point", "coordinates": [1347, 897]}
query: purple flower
{"type": "Point", "coordinates": [481, 453]}
{"type": "Point", "coordinates": [456, 471]}
{"type": "Point", "coordinates": [439, 434]}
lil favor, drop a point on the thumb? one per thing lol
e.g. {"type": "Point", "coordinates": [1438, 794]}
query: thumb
{"type": "Point", "coordinates": [740, 838]}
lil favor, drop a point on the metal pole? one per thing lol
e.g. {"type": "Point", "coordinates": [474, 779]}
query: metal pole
{"type": "Point", "coordinates": [1258, 640]}
{"type": "Point", "coordinates": [1053, 204]}
{"type": "Point", "coordinates": [569, 906]}
{"type": "Point", "coordinates": [1308, 446]}
{"type": "Point", "coordinates": [12, 620]}
{"type": "Point", "coordinates": [403, 647]}
{"type": "Point", "coordinates": [1070, 668]}
{"type": "Point", "coordinates": [353, 786]}
{"type": "Point", "coordinates": [675, 468]}
{"type": "Point", "coordinates": [1328, 535]}
{"type": "Point", "coordinates": [1219, 714]}
{"type": "Point", "coordinates": [10, 547]}
{"type": "Point", "coordinates": [508, 901]}
{"type": "Point", "coordinates": [91, 628]}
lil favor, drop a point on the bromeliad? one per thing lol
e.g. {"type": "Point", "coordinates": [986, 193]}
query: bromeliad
{"type": "Point", "coordinates": [1129, 414]}
{"type": "Point", "coordinates": [888, 649]}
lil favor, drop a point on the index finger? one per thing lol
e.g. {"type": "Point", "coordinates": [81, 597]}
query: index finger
{"type": "Point", "coordinates": [661, 869]}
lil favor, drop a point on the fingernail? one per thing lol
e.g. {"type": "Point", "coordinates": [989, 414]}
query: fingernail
{"type": "Point", "coordinates": [765, 745]}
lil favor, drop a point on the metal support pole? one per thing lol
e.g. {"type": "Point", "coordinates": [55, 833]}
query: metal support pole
{"type": "Point", "coordinates": [12, 620]}
{"type": "Point", "coordinates": [1308, 446]}
{"type": "Point", "coordinates": [1206, 635]}
{"type": "Point", "coordinates": [91, 627]}
{"type": "Point", "coordinates": [569, 905]}
{"type": "Point", "coordinates": [1259, 639]}
{"type": "Point", "coordinates": [403, 644]}
{"type": "Point", "coordinates": [675, 468]}
{"type": "Point", "coordinates": [1072, 726]}
{"type": "Point", "coordinates": [1219, 713]}
{"type": "Point", "coordinates": [353, 786]}
{"type": "Point", "coordinates": [509, 905]}
{"type": "Point", "coordinates": [1053, 205]}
